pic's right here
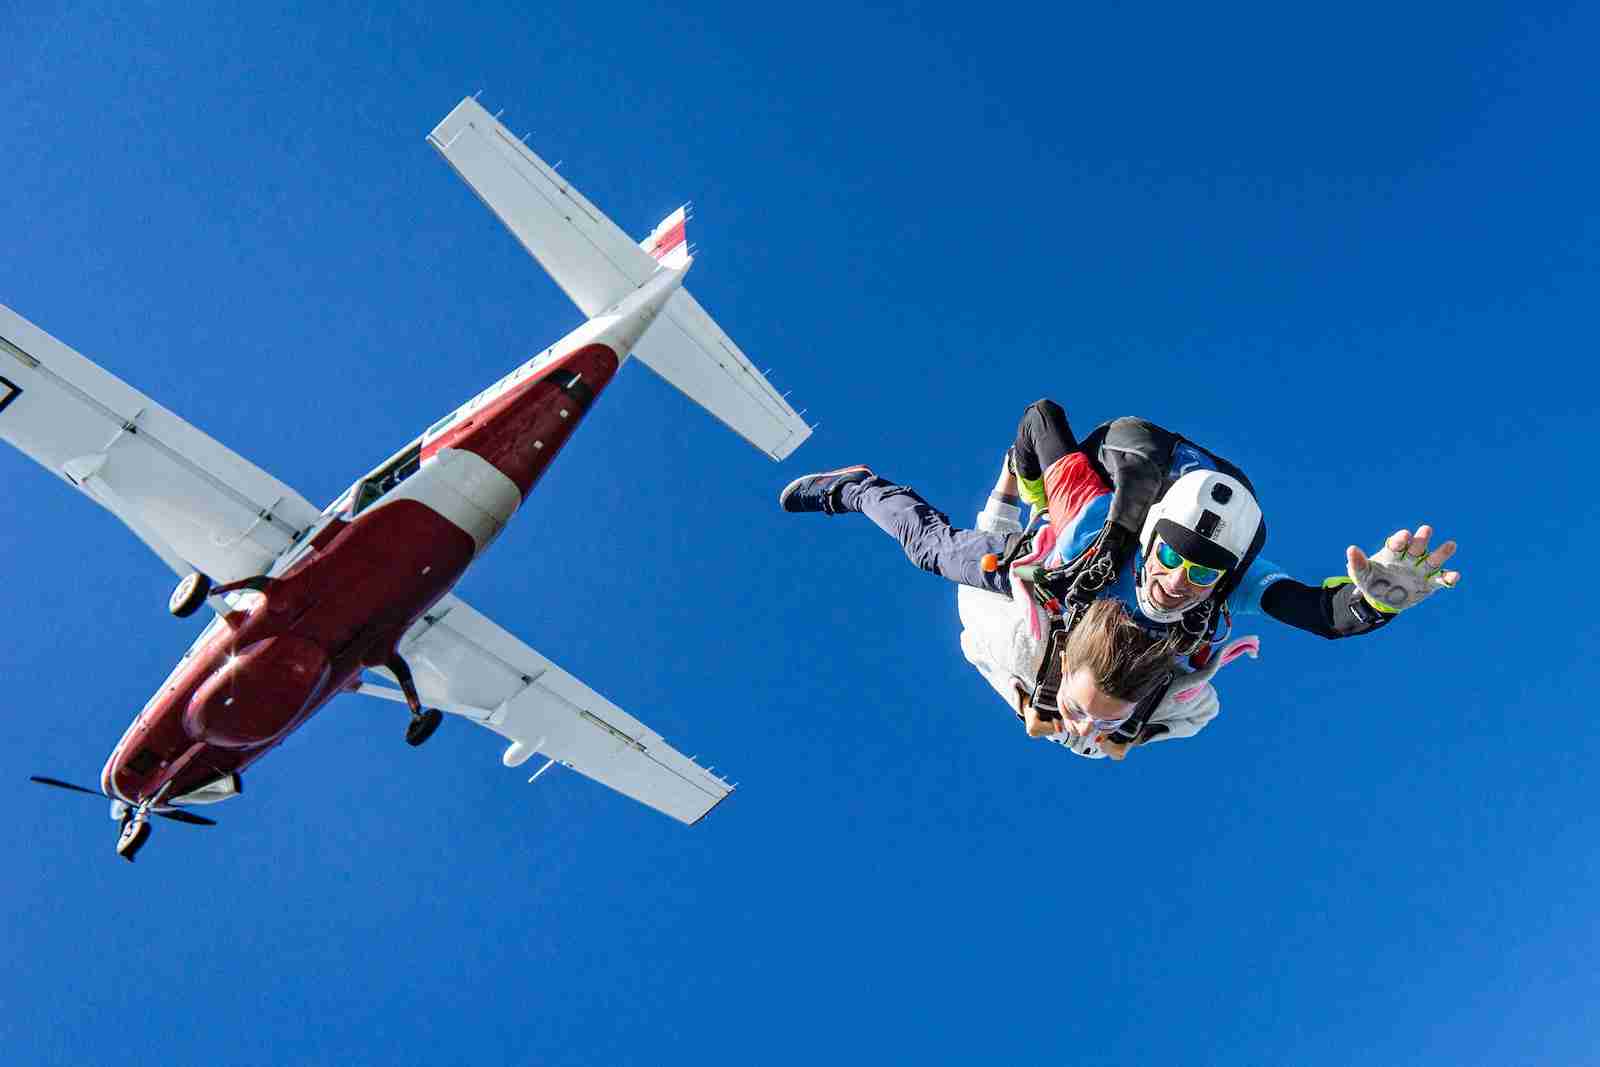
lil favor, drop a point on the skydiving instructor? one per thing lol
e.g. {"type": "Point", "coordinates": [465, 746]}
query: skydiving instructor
{"type": "Point", "coordinates": [1176, 532]}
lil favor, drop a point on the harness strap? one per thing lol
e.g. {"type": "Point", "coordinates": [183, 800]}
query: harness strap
{"type": "Point", "coordinates": [1047, 686]}
{"type": "Point", "coordinates": [1088, 573]}
{"type": "Point", "coordinates": [1018, 545]}
{"type": "Point", "coordinates": [1131, 730]}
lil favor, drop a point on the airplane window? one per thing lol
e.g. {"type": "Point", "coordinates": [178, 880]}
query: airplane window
{"type": "Point", "coordinates": [368, 495]}
{"type": "Point", "coordinates": [378, 484]}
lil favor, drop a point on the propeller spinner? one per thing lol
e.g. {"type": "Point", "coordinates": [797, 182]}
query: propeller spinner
{"type": "Point", "coordinates": [135, 824]}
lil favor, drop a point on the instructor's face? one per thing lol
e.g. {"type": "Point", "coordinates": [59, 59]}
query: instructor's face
{"type": "Point", "coordinates": [1169, 588]}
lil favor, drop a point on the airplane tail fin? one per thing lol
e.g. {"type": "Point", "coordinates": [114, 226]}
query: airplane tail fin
{"type": "Point", "coordinates": [668, 243]}
{"type": "Point", "coordinates": [598, 265]}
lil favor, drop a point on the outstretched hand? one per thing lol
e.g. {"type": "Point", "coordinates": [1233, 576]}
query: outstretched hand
{"type": "Point", "coordinates": [1404, 572]}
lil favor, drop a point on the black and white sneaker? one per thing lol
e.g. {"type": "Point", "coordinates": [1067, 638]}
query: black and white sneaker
{"type": "Point", "coordinates": [820, 492]}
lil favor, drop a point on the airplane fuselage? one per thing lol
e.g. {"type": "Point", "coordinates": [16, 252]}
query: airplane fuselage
{"type": "Point", "coordinates": [338, 602]}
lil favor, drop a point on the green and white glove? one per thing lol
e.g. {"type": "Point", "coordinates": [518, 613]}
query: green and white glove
{"type": "Point", "coordinates": [1403, 573]}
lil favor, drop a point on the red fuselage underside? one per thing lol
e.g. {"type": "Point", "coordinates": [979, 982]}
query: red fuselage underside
{"type": "Point", "coordinates": [343, 606]}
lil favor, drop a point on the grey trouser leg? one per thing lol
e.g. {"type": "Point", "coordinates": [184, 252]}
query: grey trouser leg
{"type": "Point", "coordinates": [926, 534]}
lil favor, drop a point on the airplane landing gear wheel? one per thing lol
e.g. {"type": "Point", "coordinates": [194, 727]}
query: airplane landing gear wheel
{"type": "Point", "coordinates": [422, 726]}
{"type": "Point", "coordinates": [189, 595]}
{"type": "Point", "coordinates": [135, 832]}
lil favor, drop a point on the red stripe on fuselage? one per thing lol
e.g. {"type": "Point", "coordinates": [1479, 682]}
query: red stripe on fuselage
{"type": "Point", "coordinates": [340, 608]}
{"type": "Point", "coordinates": [520, 432]}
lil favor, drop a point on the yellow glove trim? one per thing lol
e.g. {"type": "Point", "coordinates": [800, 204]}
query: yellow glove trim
{"type": "Point", "coordinates": [1334, 583]}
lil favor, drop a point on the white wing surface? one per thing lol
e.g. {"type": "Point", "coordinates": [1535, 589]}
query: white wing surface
{"type": "Point", "coordinates": [596, 264]}
{"type": "Point", "coordinates": [464, 664]}
{"type": "Point", "coordinates": [694, 355]}
{"type": "Point", "coordinates": [198, 505]}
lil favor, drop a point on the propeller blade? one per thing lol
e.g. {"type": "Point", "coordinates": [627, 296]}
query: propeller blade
{"type": "Point", "coordinates": [59, 784]}
{"type": "Point", "coordinates": [175, 815]}
{"type": "Point", "coordinates": [186, 816]}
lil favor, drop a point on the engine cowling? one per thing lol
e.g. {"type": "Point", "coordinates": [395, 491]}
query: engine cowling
{"type": "Point", "coordinates": [258, 693]}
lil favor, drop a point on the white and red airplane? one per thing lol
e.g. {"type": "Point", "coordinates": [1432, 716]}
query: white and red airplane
{"type": "Point", "coordinates": [308, 602]}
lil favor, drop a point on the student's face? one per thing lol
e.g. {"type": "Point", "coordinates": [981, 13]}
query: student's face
{"type": "Point", "coordinates": [1081, 702]}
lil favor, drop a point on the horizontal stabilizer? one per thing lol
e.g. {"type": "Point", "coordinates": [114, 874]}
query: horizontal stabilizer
{"type": "Point", "coordinates": [689, 350]}
{"type": "Point", "coordinates": [598, 265]}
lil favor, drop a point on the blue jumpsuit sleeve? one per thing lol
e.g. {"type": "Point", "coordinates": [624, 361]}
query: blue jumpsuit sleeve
{"type": "Point", "coordinates": [1246, 600]}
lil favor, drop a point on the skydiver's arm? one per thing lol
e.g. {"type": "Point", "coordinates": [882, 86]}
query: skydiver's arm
{"type": "Point", "coordinates": [1331, 611]}
{"type": "Point", "coordinates": [1128, 453]}
{"type": "Point", "coordinates": [1002, 513]}
{"type": "Point", "coordinates": [1404, 572]}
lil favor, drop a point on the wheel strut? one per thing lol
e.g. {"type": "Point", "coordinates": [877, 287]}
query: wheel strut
{"type": "Point", "coordinates": [424, 721]}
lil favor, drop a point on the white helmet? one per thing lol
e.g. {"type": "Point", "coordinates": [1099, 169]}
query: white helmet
{"type": "Point", "coordinates": [1208, 517]}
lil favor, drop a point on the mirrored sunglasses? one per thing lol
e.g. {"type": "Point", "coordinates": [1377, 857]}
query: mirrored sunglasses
{"type": "Point", "coordinates": [1198, 575]}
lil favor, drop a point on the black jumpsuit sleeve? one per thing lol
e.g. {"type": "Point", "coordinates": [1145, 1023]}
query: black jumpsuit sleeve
{"type": "Point", "coordinates": [1129, 454]}
{"type": "Point", "coordinates": [1331, 613]}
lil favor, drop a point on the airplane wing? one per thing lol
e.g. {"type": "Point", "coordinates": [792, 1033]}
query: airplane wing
{"type": "Point", "coordinates": [465, 664]}
{"type": "Point", "coordinates": [198, 505]}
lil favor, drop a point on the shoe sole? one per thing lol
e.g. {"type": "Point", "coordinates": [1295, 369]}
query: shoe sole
{"type": "Point", "coordinates": [863, 468]}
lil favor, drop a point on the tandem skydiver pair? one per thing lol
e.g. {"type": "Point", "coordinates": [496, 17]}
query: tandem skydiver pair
{"type": "Point", "coordinates": [1103, 621]}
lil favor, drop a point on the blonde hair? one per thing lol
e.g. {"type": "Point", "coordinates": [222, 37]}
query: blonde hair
{"type": "Point", "coordinates": [1125, 662]}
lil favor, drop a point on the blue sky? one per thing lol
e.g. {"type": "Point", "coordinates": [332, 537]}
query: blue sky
{"type": "Point", "coordinates": [1354, 251]}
